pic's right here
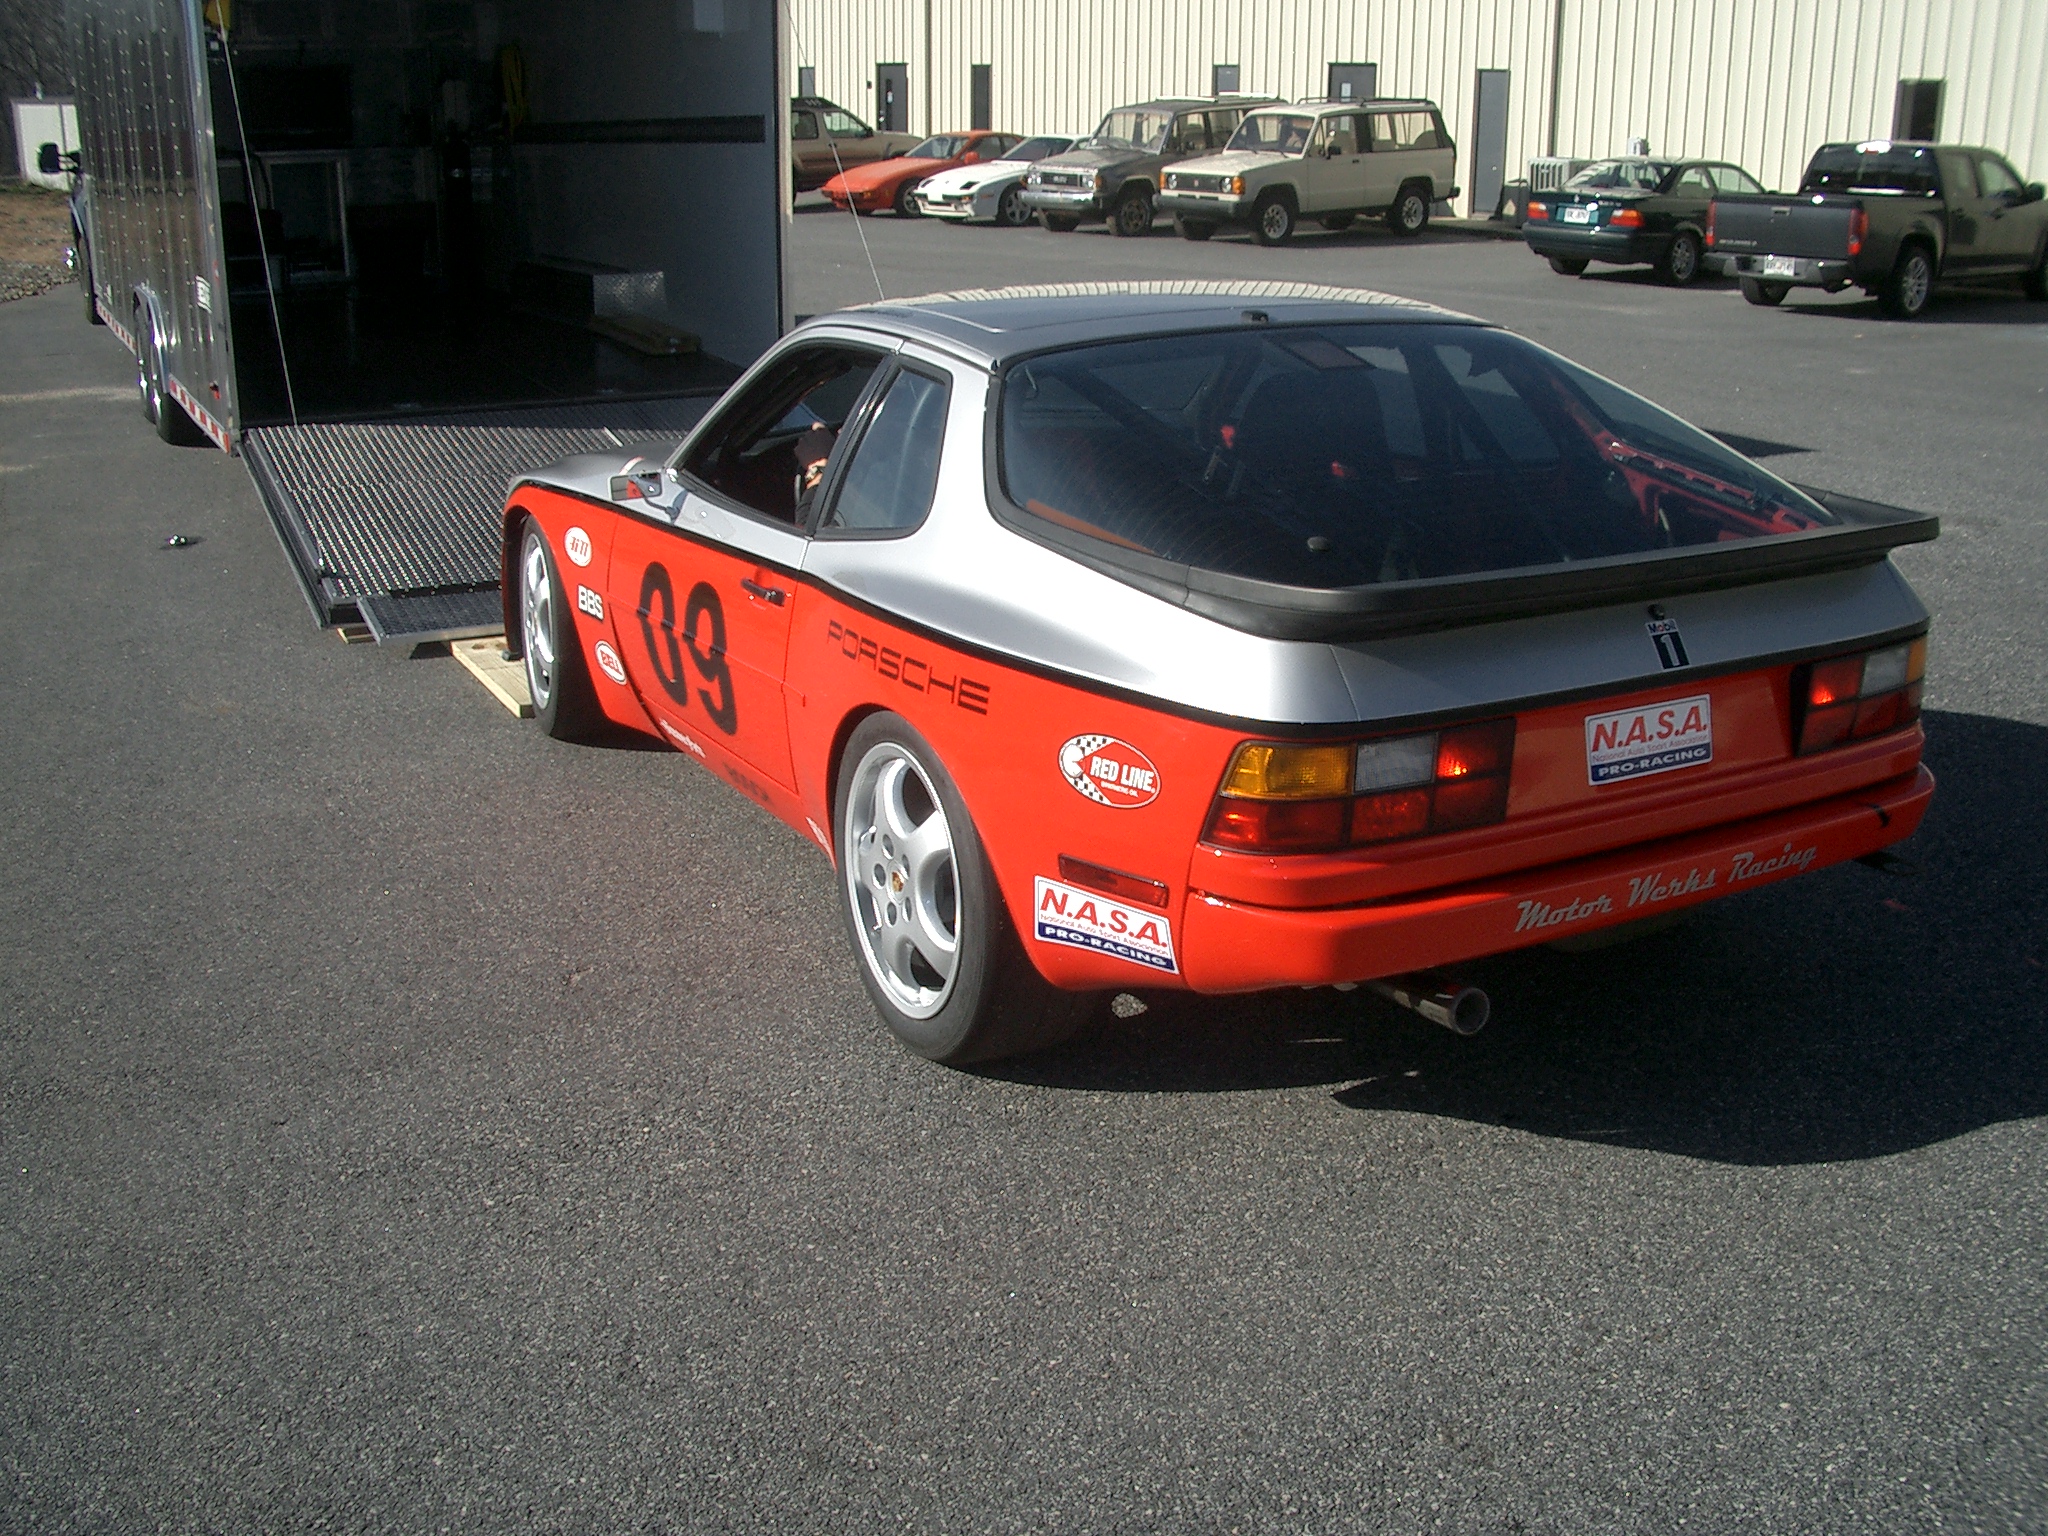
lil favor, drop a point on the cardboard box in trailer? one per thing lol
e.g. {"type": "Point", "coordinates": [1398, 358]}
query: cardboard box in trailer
{"type": "Point", "coordinates": [394, 254]}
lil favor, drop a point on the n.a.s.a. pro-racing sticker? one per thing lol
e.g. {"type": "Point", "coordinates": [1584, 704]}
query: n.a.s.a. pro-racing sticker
{"type": "Point", "coordinates": [608, 661]}
{"type": "Point", "coordinates": [1654, 738]}
{"type": "Point", "coordinates": [1065, 914]}
{"type": "Point", "coordinates": [576, 545]}
{"type": "Point", "coordinates": [1109, 772]}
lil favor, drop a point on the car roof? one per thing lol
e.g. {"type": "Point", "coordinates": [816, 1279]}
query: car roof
{"type": "Point", "coordinates": [997, 325]}
{"type": "Point", "coordinates": [1191, 103]}
{"type": "Point", "coordinates": [1361, 104]}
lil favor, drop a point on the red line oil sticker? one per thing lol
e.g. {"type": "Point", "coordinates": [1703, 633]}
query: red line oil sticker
{"type": "Point", "coordinates": [1065, 914]}
{"type": "Point", "coordinates": [1655, 738]}
{"type": "Point", "coordinates": [1109, 772]}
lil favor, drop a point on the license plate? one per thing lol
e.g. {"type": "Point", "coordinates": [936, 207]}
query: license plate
{"type": "Point", "coordinates": [1655, 738]}
{"type": "Point", "coordinates": [1781, 266]}
{"type": "Point", "coordinates": [1575, 215]}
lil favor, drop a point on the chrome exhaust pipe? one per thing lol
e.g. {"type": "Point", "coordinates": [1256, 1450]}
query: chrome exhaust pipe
{"type": "Point", "coordinates": [1461, 1009]}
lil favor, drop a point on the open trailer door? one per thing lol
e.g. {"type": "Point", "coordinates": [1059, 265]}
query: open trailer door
{"type": "Point", "coordinates": [439, 243]}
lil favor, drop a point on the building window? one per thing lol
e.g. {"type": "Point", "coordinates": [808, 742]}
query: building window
{"type": "Point", "coordinates": [806, 81]}
{"type": "Point", "coordinates": [1223, 80]}
{"type": "Point", "coordinates": [1916, 110]}
{"type": "Point", "coordinates": [980, 96]}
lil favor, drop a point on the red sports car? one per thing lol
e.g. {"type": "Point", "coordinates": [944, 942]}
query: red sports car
{"type": "Point", "coordinates": [1227, 636]}
{"type": "Point", "coordinates": [889, 183]}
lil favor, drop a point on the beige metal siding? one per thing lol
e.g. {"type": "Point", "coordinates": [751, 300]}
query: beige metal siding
{"type": "Point", "coordinates": [1759, 82]}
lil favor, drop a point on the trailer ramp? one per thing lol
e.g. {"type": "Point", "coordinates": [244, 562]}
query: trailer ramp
{"type": "Point", "coordinates": [396, 523]}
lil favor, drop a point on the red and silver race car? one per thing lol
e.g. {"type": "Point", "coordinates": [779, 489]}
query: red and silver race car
{"type": "Point", "coordinates": [1224, 637]}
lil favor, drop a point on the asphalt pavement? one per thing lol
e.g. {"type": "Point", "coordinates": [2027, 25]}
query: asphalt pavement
{"type": "Point", "coordinates": [412, 1123]}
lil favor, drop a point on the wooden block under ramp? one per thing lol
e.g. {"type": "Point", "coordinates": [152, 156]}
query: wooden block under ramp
{"type": "Point", "coordinates": [484, 657]}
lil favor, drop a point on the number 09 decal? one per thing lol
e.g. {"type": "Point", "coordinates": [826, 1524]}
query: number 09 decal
{"type": "Point", "coordinates": [665, 648]}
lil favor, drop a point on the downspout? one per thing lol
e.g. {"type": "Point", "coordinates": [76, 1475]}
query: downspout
{"type": "Point", "coordinates": [1556, 70]}
{"type": "Point", "coordinates": [929, 81]}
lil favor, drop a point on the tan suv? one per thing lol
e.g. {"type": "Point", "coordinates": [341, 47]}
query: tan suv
{"type": "Point", "coordinates": [1329, 161]}
{"type": "Point", "coordinates": [825, 139]}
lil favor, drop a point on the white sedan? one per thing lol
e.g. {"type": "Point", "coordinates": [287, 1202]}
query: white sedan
{"type": "Point", "coordinates": [991, 190]}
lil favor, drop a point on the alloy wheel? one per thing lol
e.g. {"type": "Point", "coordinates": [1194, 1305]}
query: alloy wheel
{"type": "Point", "coordinates": [901, 880]}
{"type": "Point", "coordinates": [537, 621]}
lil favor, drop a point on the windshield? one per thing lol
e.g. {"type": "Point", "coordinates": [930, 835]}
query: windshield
{"type": "Point", "coordinates": [1358, 455]}
{"type": "Point", "coordinates": [1273, 133]}
{"type": "Point", "coordinates": [943, 147]}
{"type": "Point", "coordinates": [1620, 175]}
{"type": "Point", "coordinates": [1135, 128]}
{"type": "Point", "coordinates": [1874, 167]}
{"type": "Point", "coordinates": [1038, 149]}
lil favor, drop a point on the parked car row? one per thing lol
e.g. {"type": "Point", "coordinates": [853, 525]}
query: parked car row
{"type": "Point", "coordinates": [1893, 217]}
{"type": "Point", "coordinates": [1256, 163]}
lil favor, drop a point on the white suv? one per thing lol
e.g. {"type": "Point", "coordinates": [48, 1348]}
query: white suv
{"type": "Point", "coordinates": [1330, 161]}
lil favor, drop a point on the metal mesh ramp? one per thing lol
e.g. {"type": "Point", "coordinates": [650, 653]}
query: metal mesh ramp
{"type": "Point", "coordinates": [378, 516]}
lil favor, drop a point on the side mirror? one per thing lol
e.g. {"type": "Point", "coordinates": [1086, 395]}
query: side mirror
{"type": "Point", "coordinates": [970, 157]}
{"type": "Point", "coordinates": [2034, 193]}
{"type": "Point", "coordinates": [48, 161]}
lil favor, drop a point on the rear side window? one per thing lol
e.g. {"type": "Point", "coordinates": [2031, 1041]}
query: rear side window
{"type": "Point", "coordinates": [888, 486]}
{"type": "Point", "coordinates": [1358, 455]}
{"type": "Point", "coordinates": [1736, 182]}
{"type": "Point", "coordinates": [803, 125]}
{"type": "Point", "coordinates": [1996, 176]}
{"type": "Point", "coordinates": [1693, 183]}
{"type": "Point", "coordinates": [1878, 166]}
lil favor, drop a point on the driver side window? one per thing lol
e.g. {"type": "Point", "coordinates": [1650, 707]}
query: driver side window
{"type": "Point", "coordinates": [768, 449]}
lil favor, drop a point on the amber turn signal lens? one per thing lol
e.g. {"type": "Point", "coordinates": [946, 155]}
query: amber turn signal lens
{"type": "Point", "coordinates": [1264, 770]}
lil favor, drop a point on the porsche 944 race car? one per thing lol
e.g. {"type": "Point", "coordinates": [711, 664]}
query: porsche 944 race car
{"type": "Point", "coordinates": [1226, 637]}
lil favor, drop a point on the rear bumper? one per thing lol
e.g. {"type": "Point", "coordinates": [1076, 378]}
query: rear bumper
{"type": "Point", "coordinates": [1547, 239]}
{"type": "Point", "coordinates": [1793, 271]}
{"type": "Point", "coordinates": [1232, 946]}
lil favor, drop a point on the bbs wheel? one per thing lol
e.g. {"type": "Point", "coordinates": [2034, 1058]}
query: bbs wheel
{"type": "Point", "coordinates": [1908, 291]}
{"type": "Point", "coordinates": [1770, 295]}
{"type": "Point", "coordinates": [1132, 215]}
{"type": "Point", "coordinates": [1568, 266]}
{"type": "Point", "coordinates": [563, 701]}
{"type": "Point", "coordinates": [936, 948]}
{"type": "Point", "coordinates": [1010, 210]}
{"type": "Point", "coordinates": [1410, 213]}
{"type": "Point", "coordinates": [1681, 263]}
{"type": "Point", "coordinates": [1273, 218]}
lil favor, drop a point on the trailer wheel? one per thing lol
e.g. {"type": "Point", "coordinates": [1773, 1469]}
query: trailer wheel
{"type": "Point", "coordinates": [173, 425]}
{"type": "Point", "coordinates": [145, 374]}
{"type": "Point", "coordinates": [564, 702]}
{"type": "Point", "coordinates": [84, 259]}
{"type": "Point", "coordinates": [1770, 295]}
{"type": "Point", "coordinates": [936, 948]}
{"type": "Point", "coordinates": [1910, 288]}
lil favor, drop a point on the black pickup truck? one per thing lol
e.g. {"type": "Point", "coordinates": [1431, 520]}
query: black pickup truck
{"type": "Point", "coordinates": [1890, 217]}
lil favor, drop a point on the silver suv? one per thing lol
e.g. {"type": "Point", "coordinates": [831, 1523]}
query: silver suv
{"type": "Point", "coordinates": [1114, 173]}
{"type": "Point", "coordinates": [1330, 161]}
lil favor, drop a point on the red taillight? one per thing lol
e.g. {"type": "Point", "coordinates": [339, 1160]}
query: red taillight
{"type": "Point", "coordinates": [1709, 238]}
{"type": "Point", "coordinates": [1536, 211]}
{"type": "Point", "coordinates": [1626, 218]}
{"type": "Point", "coordinates": [1859, 226]}
{"type": "Point", "coordinates": [1281, 798]}
{"type": "Point", "coordinates": [1848, 698]}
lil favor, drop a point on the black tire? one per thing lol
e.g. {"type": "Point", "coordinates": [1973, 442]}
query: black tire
{"type": "Point", "coordinates": [92, 308]}
{"type": "Point", "coordinates": [564, 702]}
{"type": "Point", "coordinates": [1059, 223]}
{"type": "Point", "coordinates": [1681, 265]}
{"type": "Point", "coordinates": [173, 424]}
{"type": "Point", "coordinates": [896, 906]}
{"type": "Point", "coordinates": [1132, 215]}
{"type": "Point", "coordinates": [906, 202]}
{"type": "Point", "coordinates": [1010, 210]}
{"type": "Point", "coordinates": [2036, 282]}
{"type": "Point", "coordinates": [1769, 295]}
{"type": "Point", "coordinates": [1335, 222]}
{"type": "Point", "coordinates": [1192, 229]}
{"type": "Point", "coordinates": [1910, 288]}
{"type": "Point", "coordinates": [1568, 266]}
{"type": "Point", "coordinates": [1410, 212]}
{"type": "Point", "coordinates": [1273, 218]}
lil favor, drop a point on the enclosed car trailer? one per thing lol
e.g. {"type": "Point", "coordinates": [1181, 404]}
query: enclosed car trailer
{"type": "Point", "coordinates": [395, 251]}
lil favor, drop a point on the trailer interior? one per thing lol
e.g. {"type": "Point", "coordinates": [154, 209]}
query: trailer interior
{"type": "Point", "coordinates": [463, 238]}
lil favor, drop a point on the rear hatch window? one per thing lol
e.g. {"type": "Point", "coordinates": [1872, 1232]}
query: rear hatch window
{"type": "Point", "coordinates": [1366, 456]}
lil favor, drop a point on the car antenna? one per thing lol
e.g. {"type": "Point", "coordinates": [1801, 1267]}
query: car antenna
{"type": "Point", "coordinates": [851, 211]}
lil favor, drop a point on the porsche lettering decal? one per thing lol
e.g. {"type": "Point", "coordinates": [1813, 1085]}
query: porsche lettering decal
{"type": "Point", "coordinates": [666, 644]}
{"type": "Point", "coordinates": [912, 672]}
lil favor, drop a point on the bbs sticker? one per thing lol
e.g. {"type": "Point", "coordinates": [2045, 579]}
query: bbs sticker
{"type": "Point", "coordinates": [608, 662]}
{"type": "Point", "coordinates": [1109, 772]}
{"type": "Point", "coordinates": [576, 545]}
{"type": "Point", "coordinates": [590, 602]}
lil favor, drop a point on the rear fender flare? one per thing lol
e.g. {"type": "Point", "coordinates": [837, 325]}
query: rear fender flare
{"type": "Point", "coordinates": [835, 761]}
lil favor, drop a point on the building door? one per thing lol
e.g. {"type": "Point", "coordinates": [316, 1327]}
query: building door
{"type": "Point", "coordinates": [1353, 82]}
{"type": "Point", "coordinates": [1916, 110]}
{"type": "Point", "coordinates": [892, 98]}
{"type": "Point", "coordinates": [1489, 140]}
{"type": "Point", "coordinates": [981, 91]}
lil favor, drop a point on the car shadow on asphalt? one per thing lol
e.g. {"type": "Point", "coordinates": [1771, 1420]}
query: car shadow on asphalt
{"type": "Point", "coordinates": [2001, 304]}
{"type": "Point", "coordinates": [1849, 1014]}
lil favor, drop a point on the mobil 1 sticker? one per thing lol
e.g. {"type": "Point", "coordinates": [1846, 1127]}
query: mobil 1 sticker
{"type": "Point", "coordinates": [1065, 914]}
{"type": "Point", "coordinates": [1655, 738]}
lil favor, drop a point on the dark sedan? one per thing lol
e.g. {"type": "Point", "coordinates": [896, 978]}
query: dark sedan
{"type": "Point", "coordinates": [1633, 212]}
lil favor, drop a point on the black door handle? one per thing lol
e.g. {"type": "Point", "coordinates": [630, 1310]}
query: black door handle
{"type": "Point", "coordinates": [753, 588]}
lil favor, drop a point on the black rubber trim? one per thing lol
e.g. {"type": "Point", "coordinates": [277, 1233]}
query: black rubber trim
{"type": "Point", "coordinates": [744, 129]}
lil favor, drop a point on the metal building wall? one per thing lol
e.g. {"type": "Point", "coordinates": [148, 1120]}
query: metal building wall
{"type": "Point", "coordinates": [1760, 82]}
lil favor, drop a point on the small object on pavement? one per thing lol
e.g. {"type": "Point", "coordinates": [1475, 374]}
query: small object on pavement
{"type": "Point", "coordinates": [180, 541]}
